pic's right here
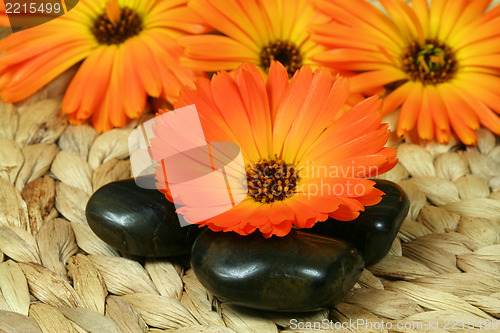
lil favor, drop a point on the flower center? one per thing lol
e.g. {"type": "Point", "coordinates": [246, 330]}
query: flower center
{"type": "Point", "coordinates": [432, 63]}
{"type": "Point", "coordinates": [116, 25]}
{"type": "Point", "coordinates": [287, 53]}
{"type": "Point", "coordinates": [271, 180]}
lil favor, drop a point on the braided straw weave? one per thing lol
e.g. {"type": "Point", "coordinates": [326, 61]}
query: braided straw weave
{"type": "Point", "coordinates": [57, 276]}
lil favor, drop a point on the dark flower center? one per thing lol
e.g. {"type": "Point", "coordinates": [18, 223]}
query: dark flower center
{"type": "Point", "coordinates": [432, 63]}
{"type": "Point", "coordinates": [287, 53]}
{"type": "Point", "coordinates": [108, 31]}
{"type": "Point", "coordinates": [271, 180]}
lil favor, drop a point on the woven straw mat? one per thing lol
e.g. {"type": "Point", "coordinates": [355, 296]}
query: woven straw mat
{"type": "Point", "coordinates": [57, 276]}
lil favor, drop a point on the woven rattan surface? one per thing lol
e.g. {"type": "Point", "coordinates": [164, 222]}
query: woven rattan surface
{"type": "Point", "coordinates": [57, 276]}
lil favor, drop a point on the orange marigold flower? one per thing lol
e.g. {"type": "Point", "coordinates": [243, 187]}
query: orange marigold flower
{"type": "Point", "coordinates": [128, 51]}
{"type": "Point", "coordinates": [254, 31]}
{"type": "Point", "coordinates": [306, 158]}
{"type": "Point", "coordinates": [439, 62]}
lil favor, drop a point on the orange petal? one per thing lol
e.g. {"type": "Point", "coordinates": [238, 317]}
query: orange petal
{"type": "Point", "coordinates": [437, 107]}
{"type": "Point", "coordinates": [280, 230]}
{"type": "Point", "coordinates": [458, 107]}
{"type": "Point", "coordinates": [436, 15]}
{"type": "Point", "coordinates": [281, 212]}
{"type": "Point", "coordinates": [486, 116]}
{"type": "Point", "coordinates": [231, 108]}
{"type": "Point", "coordinates": [313, 115]}
{"type": "Point", "coordinates": [220, 15]}
{"type": "Point", "coordinates": [403, 16]}
{"type": "Point", "coordinates": [364, 15]}
{"type": "Point", "coordinates": [218, 48]}
{"type": "Point", "coordinates": [112, 11]}
{"type": "Point", "coordinates": [290, 105]}
{"type": "Point", "coordinates": [93, 76]}
{"type": "Point", "coordinates": [453, 10]}
{"type": "Point", "coordinates": [254, 95]}
{"type": "Point", "coordinates": [421, 9]}
{"type": "Point", "coordinates": [424, 124]}
{"type": "Point", "coordinates": [115, 99]}
{"type": "Point", "coordinates": [370, 80]}
{"type": "Point", "coordinates": [305, 215]}
{"type": "Point", "coordinates": [39, 71]}
{"type": "Point", "coordinates": [361, 120]}
{"type": "Point", "coordinates": [397, 97]}
{"type": "Point", "coordinates": [277, 82]}
{"type": "Point", "coordinates": [133, 90]}
{"type": "Point", "coordinates": [149, 68]}
{"type": "Point", "coordinates": [410, 110]}
{"type": "Point", "coordinates": [464, 132]}
{"type": "Point", "coordinates": [365, 144]}
{"type": "Point", "coordinates": [488, 97]}
{"type": "Point", "coordinates": [344, 213]}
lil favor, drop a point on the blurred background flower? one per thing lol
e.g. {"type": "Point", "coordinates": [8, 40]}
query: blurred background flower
{"type": "Point", "coordinates": [126, 50]}
{"type": "Point", "coordinates": [253, 31]}
{"type": "Point", "coordinates": [440, 62]}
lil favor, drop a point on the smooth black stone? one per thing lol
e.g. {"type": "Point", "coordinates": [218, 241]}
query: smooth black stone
{"type": "Point", "coordinates": [298, 272]}
{"type": "Point", "coordinates": [373, 232]}
{"type": "Point", "coordinates": [138, 221]}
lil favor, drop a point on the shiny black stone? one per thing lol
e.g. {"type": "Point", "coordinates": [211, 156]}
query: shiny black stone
{"type": "Point", "coordinates": [373, 232]}
{"type": "Point", "coordinates": [138, 221]}
{"type": "Point", "coordinates": [298, 272]}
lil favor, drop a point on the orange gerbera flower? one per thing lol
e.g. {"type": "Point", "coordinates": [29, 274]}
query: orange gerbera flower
{"type": "Point", "coordinates": [441, 63]}
{"type": "Point", "coordinates": [128, 48]}
{"type": "Point", "coordinates": [255, 31]}
{"type": "Point", "coordinates": [306, 158]}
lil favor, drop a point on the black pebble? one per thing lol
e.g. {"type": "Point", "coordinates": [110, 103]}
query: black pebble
{"type": "Point", "coordinates": [373, 232]}
{"type": "Point", "coordinates": [298, 272]}
{"type": "Point", "coordinates": [138, 221]}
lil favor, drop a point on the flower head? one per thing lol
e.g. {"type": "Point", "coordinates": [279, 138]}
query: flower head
{"type": "Point", "coordinates": [306, 158]}
{"type": "Point", "coordinates": [254, 31]}
{"type": "Point", "coordinates": [127, 49]}
{"type": "Point", "coordinates": [440, 62]}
